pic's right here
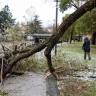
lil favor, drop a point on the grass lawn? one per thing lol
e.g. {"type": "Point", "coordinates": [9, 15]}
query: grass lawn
{"type": "Point", "coordinates": [77, 76]}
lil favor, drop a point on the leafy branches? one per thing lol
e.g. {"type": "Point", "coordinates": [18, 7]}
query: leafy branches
{"type": "Point", "coordinates": [65, 4]}
{"type": "Point", "coordinates": [5, 19]}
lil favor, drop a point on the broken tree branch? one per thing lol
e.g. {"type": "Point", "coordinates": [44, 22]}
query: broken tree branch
{"type": "Point", "coordinates": [51, 41]}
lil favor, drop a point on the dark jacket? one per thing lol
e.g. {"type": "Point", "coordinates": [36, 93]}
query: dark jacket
{"type": "Point", "coordinates": [86, 45]}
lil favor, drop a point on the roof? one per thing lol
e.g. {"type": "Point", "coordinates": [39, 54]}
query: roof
{"type": "Point", "coordinates": [41, 35]}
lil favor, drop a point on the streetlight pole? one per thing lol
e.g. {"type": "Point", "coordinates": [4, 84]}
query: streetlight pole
{"type": "Point", "coordinates": [56, 23]}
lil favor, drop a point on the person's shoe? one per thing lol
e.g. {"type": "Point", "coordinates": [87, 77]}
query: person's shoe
{"type": "Point", "coordinates": [89, 58]}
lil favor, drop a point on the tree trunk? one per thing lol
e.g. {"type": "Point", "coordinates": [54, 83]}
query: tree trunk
{"type": "Point", "coordinates": [79, 37]}
{"type": "Point", "coordinates": [71, 36]}
{"type": "Point", "coordinates": [94, 38]}
{"type": "Point", "coordinates": [50, 42]}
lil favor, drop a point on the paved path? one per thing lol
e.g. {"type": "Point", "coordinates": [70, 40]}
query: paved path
{"type": "Point", "coordinates": [30, 84]}
{"type": "Point", "coordinates": [51, 86]}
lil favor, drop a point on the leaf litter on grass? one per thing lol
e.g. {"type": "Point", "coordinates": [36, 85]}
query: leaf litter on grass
{"type": "Point", "coordinates": [77, 76]}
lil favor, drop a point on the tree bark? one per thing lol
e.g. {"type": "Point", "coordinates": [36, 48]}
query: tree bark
{"type": "Point", "coordinates": [94, 38]}
{"type": "Point", "coordinates": [71, 35]}
{"type": "Point", "coordinates": [51, 41]}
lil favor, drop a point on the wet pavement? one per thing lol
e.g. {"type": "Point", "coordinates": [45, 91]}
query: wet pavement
{"type": "Point", "coordinates": [30, 84]}
{"type": "Point", "coordinates": [51, 86]}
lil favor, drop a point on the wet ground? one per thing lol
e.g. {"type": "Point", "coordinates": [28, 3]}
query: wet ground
{"type": "Point", "coordinates": [30, 84]}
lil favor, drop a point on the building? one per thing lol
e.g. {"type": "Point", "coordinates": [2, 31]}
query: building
{"type": "Point", "coordinates": [37, 38]}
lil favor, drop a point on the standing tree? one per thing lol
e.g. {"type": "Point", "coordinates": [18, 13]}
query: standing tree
{"type": "Point", "coordinates": [87, 24]}
{"type": "Point", "coordinates": [70, 31]}
{"type": "Point", "coordinates": [14, 33]}
{"type": "Point", "coordinates": [6, 20]}
{"type": "Point", "coordinates": [35, 26]}
{"type": "Point", "coordinates": [66, 4]}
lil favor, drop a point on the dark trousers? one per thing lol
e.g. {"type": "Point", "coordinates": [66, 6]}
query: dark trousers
{"type": "Point", "coordinates": [87, 53]}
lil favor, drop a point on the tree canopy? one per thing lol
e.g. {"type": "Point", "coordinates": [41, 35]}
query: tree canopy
{"type": "Point", "coordinates": [66, 4]}
{"type": "Point", "coordinates": [85, 24]}
{"type": "Point", "coordinates": [35, 26]}
{"type": "Point", "coordinates": [6, 20]}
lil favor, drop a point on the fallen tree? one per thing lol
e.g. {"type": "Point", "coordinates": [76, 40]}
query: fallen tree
{"type": "Point", "coordinates": [49, 43]}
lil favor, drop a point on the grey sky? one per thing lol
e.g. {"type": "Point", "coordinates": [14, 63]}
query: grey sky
{"type": "Point", "coordinates": [45, 10]}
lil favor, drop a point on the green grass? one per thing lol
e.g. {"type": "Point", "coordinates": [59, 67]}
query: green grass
{"type": "Point", "coordinates": [72, 62]}
{"type": "Point", "coordinates": [31, 64]}
{"type": "Point", "coordinates": [3, 93]}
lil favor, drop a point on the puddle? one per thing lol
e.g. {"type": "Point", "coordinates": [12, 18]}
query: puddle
{"type": "Point", "coordinates": [86, 75]}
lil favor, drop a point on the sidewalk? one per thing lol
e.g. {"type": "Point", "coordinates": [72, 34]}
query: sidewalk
{"type": "Point", "coordinates": [31, 84]}
{"type": "Point", "coordinates": [51, 86]}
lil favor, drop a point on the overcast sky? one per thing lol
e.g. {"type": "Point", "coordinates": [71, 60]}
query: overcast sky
{"type": "Point", "coordinates": [45, 10]}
